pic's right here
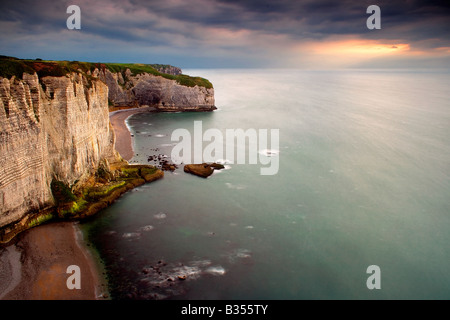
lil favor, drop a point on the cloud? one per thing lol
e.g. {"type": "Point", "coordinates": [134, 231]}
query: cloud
{"type": "Point", "coordinates": [225, 32]}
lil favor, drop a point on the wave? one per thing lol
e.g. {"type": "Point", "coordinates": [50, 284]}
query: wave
{"type": "Point", "coordinates": [131, 235]}
{"type": "Point", "coordinates": [160, 215]}
{"type": "Point", "coordinates": [146, 228]}
{"type": "Point", "coordinates": [233, 186]}
{"type": "Point", "coordinates": [168, 144]}
{"type": "Point", "coordinates": [217, 270]}
{"type": "Point", "coordinates": [269, 152]}
{"type": "Point", "coordinates": [224, 161]}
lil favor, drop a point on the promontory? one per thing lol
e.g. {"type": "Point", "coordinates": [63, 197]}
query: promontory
{"type": "Point", "coordinates": [57, 156]}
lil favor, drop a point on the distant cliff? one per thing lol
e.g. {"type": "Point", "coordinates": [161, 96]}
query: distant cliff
{"type": "Point", "coordinates": [129, 85]}
{"type": "Point", "coordinates": [146, 89]}
{"type": "Point", "coordinates": [164, 68]}
{"type": "Point", "coordinates": [56, 142]}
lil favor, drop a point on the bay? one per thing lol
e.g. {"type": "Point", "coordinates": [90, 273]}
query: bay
{"type": "Point", "coordinates": [363, 180]}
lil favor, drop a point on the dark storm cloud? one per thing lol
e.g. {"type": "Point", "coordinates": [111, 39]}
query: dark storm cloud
{"type": "Point", "coordinates": [194, 24]}
{"type": "Point", "coordinates": [410, 19]}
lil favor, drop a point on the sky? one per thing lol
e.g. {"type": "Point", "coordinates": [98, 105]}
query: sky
{"type": "Point", "coordinates": [309, 34]}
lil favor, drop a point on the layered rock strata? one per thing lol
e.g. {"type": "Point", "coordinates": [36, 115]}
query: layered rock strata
{"type": "Point", "coordinates": [145, 89]}
{"type": "Point", "coordinates": [51, 129]}
{"type": "Point", "coordinates": [57, 156]}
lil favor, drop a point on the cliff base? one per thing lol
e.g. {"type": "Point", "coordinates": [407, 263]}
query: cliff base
{"type": "Point", "coordinates": [85, 199]}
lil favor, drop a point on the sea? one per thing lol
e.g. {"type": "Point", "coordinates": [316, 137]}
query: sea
{"type": "Point", "coordinates": [359, 207]}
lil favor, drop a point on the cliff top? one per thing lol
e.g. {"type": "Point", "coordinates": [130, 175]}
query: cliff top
{"type": "Point", "coordinates": [10, 66]}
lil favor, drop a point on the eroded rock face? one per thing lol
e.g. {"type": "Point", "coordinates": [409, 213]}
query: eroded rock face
{"type": "Point", "coordinates": [149, 90]}
{"type": "Point", "coordinates": [168, 69]}
{"type": "Point", "coordinates": [57, 129]}
{"type": "Point", "coordinates": [50, 128]}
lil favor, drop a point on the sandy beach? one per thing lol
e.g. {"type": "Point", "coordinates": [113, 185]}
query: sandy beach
{"type": "Point", "coordinates": [34, 265]}
{"type": "Point", "coordinates": [124, 143]}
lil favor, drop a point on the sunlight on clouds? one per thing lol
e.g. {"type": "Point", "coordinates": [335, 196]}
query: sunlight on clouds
{"type": "Point", "coordinates": [362, 48]}
{"type": "Point", "coordinates": [346, 52]}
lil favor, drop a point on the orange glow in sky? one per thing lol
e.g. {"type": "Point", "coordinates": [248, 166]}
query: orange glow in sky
{"type": "Point", "coordinates": [359, 47]}
{"type": "Point", "coordinates": [347, 52]}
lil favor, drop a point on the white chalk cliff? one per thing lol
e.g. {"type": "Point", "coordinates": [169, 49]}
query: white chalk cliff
{"type": "Point", "coordinates": [57, 128]}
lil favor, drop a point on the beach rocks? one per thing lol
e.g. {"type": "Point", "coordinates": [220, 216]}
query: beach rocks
{"type": "Point", "coordinates": [203, 170]}
{"type": "Point", "coordinates": [162, 162]}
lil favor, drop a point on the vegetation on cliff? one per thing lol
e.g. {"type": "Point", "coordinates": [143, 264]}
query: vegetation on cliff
{"type": "Point", "coordinates": [10, 66]}
{"type": "Point", "coordinates": [84, 199]}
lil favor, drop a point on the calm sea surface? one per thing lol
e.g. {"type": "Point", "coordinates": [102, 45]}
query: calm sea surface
{"type": "Point", "coordinates": [364, 179]}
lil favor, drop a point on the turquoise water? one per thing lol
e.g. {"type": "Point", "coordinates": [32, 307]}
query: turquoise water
{"type": "Point", "coordinates": [363, 180]}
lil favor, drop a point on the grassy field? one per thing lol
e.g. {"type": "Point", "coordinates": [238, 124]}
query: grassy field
{"type": "Point", "coordinates": [10, 66]}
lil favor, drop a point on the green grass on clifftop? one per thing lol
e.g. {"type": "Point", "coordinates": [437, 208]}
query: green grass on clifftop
{"type": "Point", "coordinates": [10, 66]}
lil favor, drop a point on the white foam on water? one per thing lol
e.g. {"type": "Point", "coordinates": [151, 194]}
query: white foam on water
{"type": "Point", "coordinates": [190, 272]}
{"type": "Point", "coordinates": [159, 135]}
{"type": "Point", "coordinates": [168, 144]}
{"type": "Point", "coordinates": [216, 270]}
{"type": "Point", "coordinates": [223, 161]}
{"type": "Point", "coordinates": [131, 235]}
{"type": "Point", "coordinates": [269, 152]}
{"type": "Point", "coordinates": [233, 186]}
{"type": "Point", "coordinates": [238, 255]}
{"type": "Point", "coordinates": [249, 227]}
{"type": "Point", "coordinates": [160, 215]}
{"type": "Point", "coordinates": [201, 263]}
{"type": "Point", "coordinates": [243, 253]}
{"type": "Point", "coordinates": [147, 228]}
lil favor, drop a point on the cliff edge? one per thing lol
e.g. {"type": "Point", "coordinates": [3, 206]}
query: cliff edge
{"type": "Point", "coordinates": [57, 156]}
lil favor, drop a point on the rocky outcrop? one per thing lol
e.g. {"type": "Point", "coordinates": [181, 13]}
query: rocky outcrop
{"type": "Point", "coordinates": [57, 158]}
{"type": "Point", "coordinates": [203, 170]}
{"type": "Point", "coordinates": [57, 155]}
{"type": "Point", "coordinates": [145, 89]}
{"type": "Point", "coordinates": [163, 68]}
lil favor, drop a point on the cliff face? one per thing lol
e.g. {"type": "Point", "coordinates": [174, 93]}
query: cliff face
{"type": "Point", "coordinates": [175, 71]}
{"type": "Point", "coordinates": [144, 89]}
{"type": "Point", "coordinates": [56, 142]}
{"type": "Point", "coordinates": [50, 128]}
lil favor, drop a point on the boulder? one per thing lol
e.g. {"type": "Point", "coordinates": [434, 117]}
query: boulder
{"type": "Point", "coordinates": [203, 170]}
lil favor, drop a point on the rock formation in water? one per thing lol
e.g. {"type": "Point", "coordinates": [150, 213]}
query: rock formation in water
{"type": "Point", "coordinates": [57, 152]}
{"type": "Point", "coordinates": [203, 170]}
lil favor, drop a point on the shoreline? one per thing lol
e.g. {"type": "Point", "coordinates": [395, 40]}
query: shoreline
{"type": "Point", "coordinates": [124, 143]}
{"type": "Point", "coordinates": [43, 256]}
{"type": "Point", "coordinates": [33, 266]}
